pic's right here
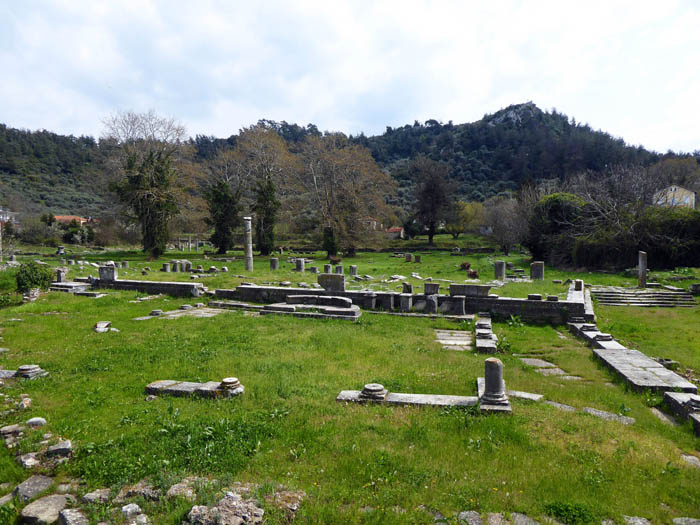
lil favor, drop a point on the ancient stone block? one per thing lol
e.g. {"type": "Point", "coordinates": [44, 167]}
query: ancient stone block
{"type": "Point", "coordinates": [479, 290]}
{"type": "Point", "coordinates": [499, 268]}
{"type": "Point", "coordinates": [431, 304]}
{"type": "Point", "coordinates": [107, 273]}
{"type": "Point", "coordinates": [332, 282]}
{"type": "Point", "coordinates": [537, 271]}
{"type": "Point", "coordinates": [406, 302]}
{"type": "Point", "coordinates": [431, 288]}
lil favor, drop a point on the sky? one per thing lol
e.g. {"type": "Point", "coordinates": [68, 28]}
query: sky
{"type": "Point", "coordinates": [631, 69]}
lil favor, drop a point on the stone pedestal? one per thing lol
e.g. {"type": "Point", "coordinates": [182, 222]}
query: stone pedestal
{"type": "Point", "coordinates": [107, 273]}
{"type": "Point", "coordinates": [499, 268]}
{"type": "Point", "coordinates": [494, 398]}
{"type": "Point", "coordinates": [353, 270]}
{"type": "Point", "coordinates": [165, 268]}
{"type": "Point", "coordinates": [247, 223]}
{"type": "Point", "coordinates": [313, 269]}
{"type": "Point", "coordinates": [407, 288]}
{"type": "Point", "coordinates": [537, 271]}
{"type": "Point", "coordinates": [332, 282]}
{"type": "Point", "coordinates": [417, 258]}
{"type": "Point", "coordinates": [327, 268]}
{"type": "Point", "coordinates": [578, 285]}
{"type": "Point", "coordinates": [431, 288]}
{"type": "Point", "coordinates": [301, 264]}
{"type": "Point", "coordinates": [374, 392]}
{"type": "Point", "coordinates": [274, 263]}
{"type": "Point", "coordinates": [642, 268]}
{"type": "Point", "coordinates": [406, 302]}
{"type": "Point", "coordinates": [409, 257]}
{"type": "Point", "coordinates": [339, 269]}
{"type": "Point", "coordinates": [431, 304]}
{"type": "Point", "coordinates": [125, 264]}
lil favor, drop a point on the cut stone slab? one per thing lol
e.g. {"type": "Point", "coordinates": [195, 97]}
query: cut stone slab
{"type": "Point", "coordinates": [44, 510]}
{"type": "Point", "coordinates": [537, 363]}
{"type": "Point", "coordinates": [63, 448]}
{"type": "Point", "coordinates": [410, 399]}
{"type": "Point", "coordinates": [625, 420]}
{"type": "Point", "coordinates": [561, 406]}
{"type": "Point", "coordinates": [686, 521]}
{"type": "Point", "coordinates": [551, 371]}
{"type": "Point", "coordinates": [102, 326]}
{"type": "Point", "coordinates": [211, 389]}
{"type": "Point", "coordinates": [30, 488]}
{"type": "Point", "coordinates": [232, 508]}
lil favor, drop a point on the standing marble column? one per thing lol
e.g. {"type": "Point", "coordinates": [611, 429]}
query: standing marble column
{"type": "Point", "coordinates": [248, 243]}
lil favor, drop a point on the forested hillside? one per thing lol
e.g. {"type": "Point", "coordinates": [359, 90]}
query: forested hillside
{"type": "Point", "coordinates": [42, 171]}
{"type": "Point", "coordinates": [502, 150]}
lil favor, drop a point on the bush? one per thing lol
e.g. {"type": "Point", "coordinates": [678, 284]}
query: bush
{"type": "Point", "coordinates": [571, 513]}
{"type": "Point", "coordinates": [32, 275]}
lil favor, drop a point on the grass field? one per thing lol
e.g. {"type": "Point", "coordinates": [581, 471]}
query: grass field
{"type": "Point", "coordinates": [357, 464]}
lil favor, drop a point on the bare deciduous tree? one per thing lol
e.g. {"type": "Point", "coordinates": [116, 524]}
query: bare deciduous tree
{"type": "Point", "coordinates": [144, 162]}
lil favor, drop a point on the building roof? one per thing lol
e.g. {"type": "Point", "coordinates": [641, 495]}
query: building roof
{"type": "Point", "coordinates": [70, 218]}
{"type": "Point", "coordinates": [394, 229]}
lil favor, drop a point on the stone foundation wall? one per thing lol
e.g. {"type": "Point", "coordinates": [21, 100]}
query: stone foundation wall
{"type": "Point", "coordinates": [153, 287]}
{"type": "Point", "coordinates": [554, 312]}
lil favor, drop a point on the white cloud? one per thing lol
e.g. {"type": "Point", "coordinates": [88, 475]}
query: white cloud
{"type": "Point", "coordinates": [628, 68]}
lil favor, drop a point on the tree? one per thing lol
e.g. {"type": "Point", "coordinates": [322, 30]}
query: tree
{"type": "Point", "coordinates": [502, 215]}
{"type": "Point", "coordinates": [346, 190]}
{"type": "Point", "coordinates": [266, 162]}
{"type": "Point", "coordinates": [223, 196]}
{"type": "Point", "coordinates": [462, 216]}
{"type": "Point", "coordinates": [434, 194]}
{"type": "Point", "coordinates": [145, 157]}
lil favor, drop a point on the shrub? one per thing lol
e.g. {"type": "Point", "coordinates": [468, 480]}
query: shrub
{"type": "Point", "coordinates": [571, 513]}
{"type": "Point", "coordinates": [32, 275]}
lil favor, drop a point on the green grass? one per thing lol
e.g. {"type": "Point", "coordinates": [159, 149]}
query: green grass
{"type": "Point", "coordinates": [358, 464]}
{"type": "Point", "coordinates": [288, 429]}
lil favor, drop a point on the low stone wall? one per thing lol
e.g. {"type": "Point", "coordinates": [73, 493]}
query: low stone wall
{"type": "Point", "coordinates": [153, 287]}
{"type": "Point", "coordinates": [532, 311]}
{"type": "Point", "coordinates": [537, 311]}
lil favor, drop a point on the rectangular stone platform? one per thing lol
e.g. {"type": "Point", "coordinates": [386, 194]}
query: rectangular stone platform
{"type": "Point", "coordinates": [353, 396]}
{"type": "Point", "coordinates": [642, 372]}
{"type": "Point", "coordinates": [69, 287]}
{"type": "Point", "coordinates": [636, 368]}
{"type": "Point", "coordinates": [210, 389]}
